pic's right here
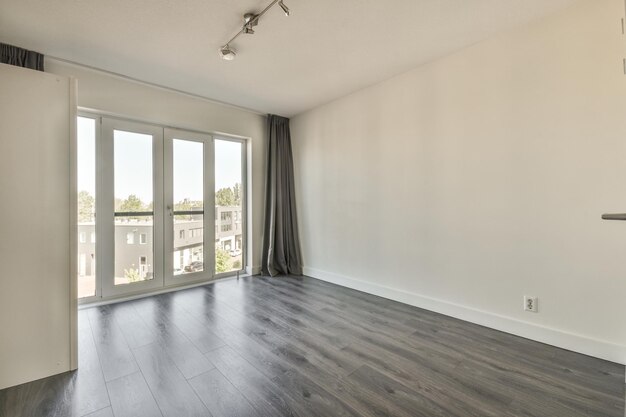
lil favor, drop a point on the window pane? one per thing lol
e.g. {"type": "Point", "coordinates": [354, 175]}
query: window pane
{"type": "Point", "coordinates": [188, 249]}
{"type": "Point", "coordinates": [188, 181]}
{"type": "Point", "coordinates": [133, 171]}
{"type": "Point", "coordinates": [86, 182]}
{"type": "Point", "coordinates": [228, 206]}
{"type": "Point", "coordinates": [133, 262]}
{"type": "Point", "coordinates": [133, 187]}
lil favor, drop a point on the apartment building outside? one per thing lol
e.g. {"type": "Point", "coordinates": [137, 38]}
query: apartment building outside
{"type": "Point", "coordinates": [134, 240]}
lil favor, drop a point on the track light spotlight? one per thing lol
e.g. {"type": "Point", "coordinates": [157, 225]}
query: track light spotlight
{"type": "Point", "coordinates": [227, 53]}
{"type": "Point", "coordinates": [250, 20]}
{"type": "Point", "coordinates": [284, 7]}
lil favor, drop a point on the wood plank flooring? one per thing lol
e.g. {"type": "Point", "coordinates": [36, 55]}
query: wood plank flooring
{"type": "Point", "coordinates": [268, 347]}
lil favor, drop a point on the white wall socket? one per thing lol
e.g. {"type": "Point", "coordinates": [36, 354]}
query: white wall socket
{"type": "Point", "coordinates": [531, 304]}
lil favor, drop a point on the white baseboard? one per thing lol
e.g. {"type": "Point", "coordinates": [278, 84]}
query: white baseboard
{"type": "Point", "coordinates": [570, 341]}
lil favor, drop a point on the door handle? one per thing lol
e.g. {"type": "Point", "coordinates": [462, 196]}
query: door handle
{"type": "Point", "coordinates": [618, 216]}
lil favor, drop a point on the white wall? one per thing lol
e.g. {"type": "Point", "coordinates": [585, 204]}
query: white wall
{"type": "Point", "coordinates": [467, 183]}
{"type": "Point", "coordinates": [37, 314]}
{"type": "Point", "coordinates": [103, 92]}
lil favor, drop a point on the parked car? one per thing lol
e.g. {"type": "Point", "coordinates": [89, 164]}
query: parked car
{"type": "Point", "coordinates": [235, 252]}
{"type": "Point", "coordinates": [194, 266]}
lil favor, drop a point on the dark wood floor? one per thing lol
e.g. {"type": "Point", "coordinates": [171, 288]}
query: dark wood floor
{"type": "Point", "coordinates": [303, 347]}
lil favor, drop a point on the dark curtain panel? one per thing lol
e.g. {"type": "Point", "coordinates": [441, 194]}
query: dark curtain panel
{"type": "Point", "coordinates": [281, 243]}
{"type": "Point", "coordinates": [19, 57]}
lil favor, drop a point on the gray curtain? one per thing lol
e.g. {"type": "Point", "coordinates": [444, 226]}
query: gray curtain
{"type": "Point", "coordinates": [281, 243]}
{"type": "Point", "coordinates": [19, 57]}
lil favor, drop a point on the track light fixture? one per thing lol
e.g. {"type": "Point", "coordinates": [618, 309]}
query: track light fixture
{"type": "Point", "coordinates": [250, 20]}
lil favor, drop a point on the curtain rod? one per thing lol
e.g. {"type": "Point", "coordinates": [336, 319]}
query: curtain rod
{"type": "Point", "coordinates": [154, 85]}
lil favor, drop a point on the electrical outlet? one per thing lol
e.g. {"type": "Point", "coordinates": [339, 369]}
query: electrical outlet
{"type": "Point", "coordinates": [531, 304]}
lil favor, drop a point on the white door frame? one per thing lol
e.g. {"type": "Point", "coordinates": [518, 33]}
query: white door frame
{"type": "Point", "coordinates": [98, 286]}
{"type": "Point", "coordinates": [209, 207]}
{"type": "Point", "coordinates": [105, 207]}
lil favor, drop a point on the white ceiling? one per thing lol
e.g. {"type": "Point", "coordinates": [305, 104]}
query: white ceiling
{"type": "Point", "coordinates": [324, 50]}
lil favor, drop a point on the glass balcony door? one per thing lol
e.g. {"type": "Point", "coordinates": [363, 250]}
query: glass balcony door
{"type": "Point", "coordinates": [158, 207]}
{"type": "Point", "coordinates": [130, 207]}
{"type": "Point", "coordinates": [189, 207]}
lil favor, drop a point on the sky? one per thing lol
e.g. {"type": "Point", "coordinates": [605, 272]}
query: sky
{"type": "Point", "coordinates": [133, 164]}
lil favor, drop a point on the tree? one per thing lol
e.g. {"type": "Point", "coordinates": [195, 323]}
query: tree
{"type": "Point", "coordinates": [222, 260]}
{"type": "Point", "coordinates": [132, 275]}
{"type": "Point", "coordinates": [184, 205]}
{"type": "Point", "coordinates": [225, 197]}
{"type": "Point", "coordinates": [132, 203]}
{"type": "Point", "coordinates": [85, 207]}
{"type": "Point", "coordinates": [237, 194]}
{"type": "Point", "coordinates": [187, 205]}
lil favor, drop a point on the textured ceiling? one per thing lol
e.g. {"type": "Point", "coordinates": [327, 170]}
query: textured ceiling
{"type": "Point", "coordinates": [324, 50]}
